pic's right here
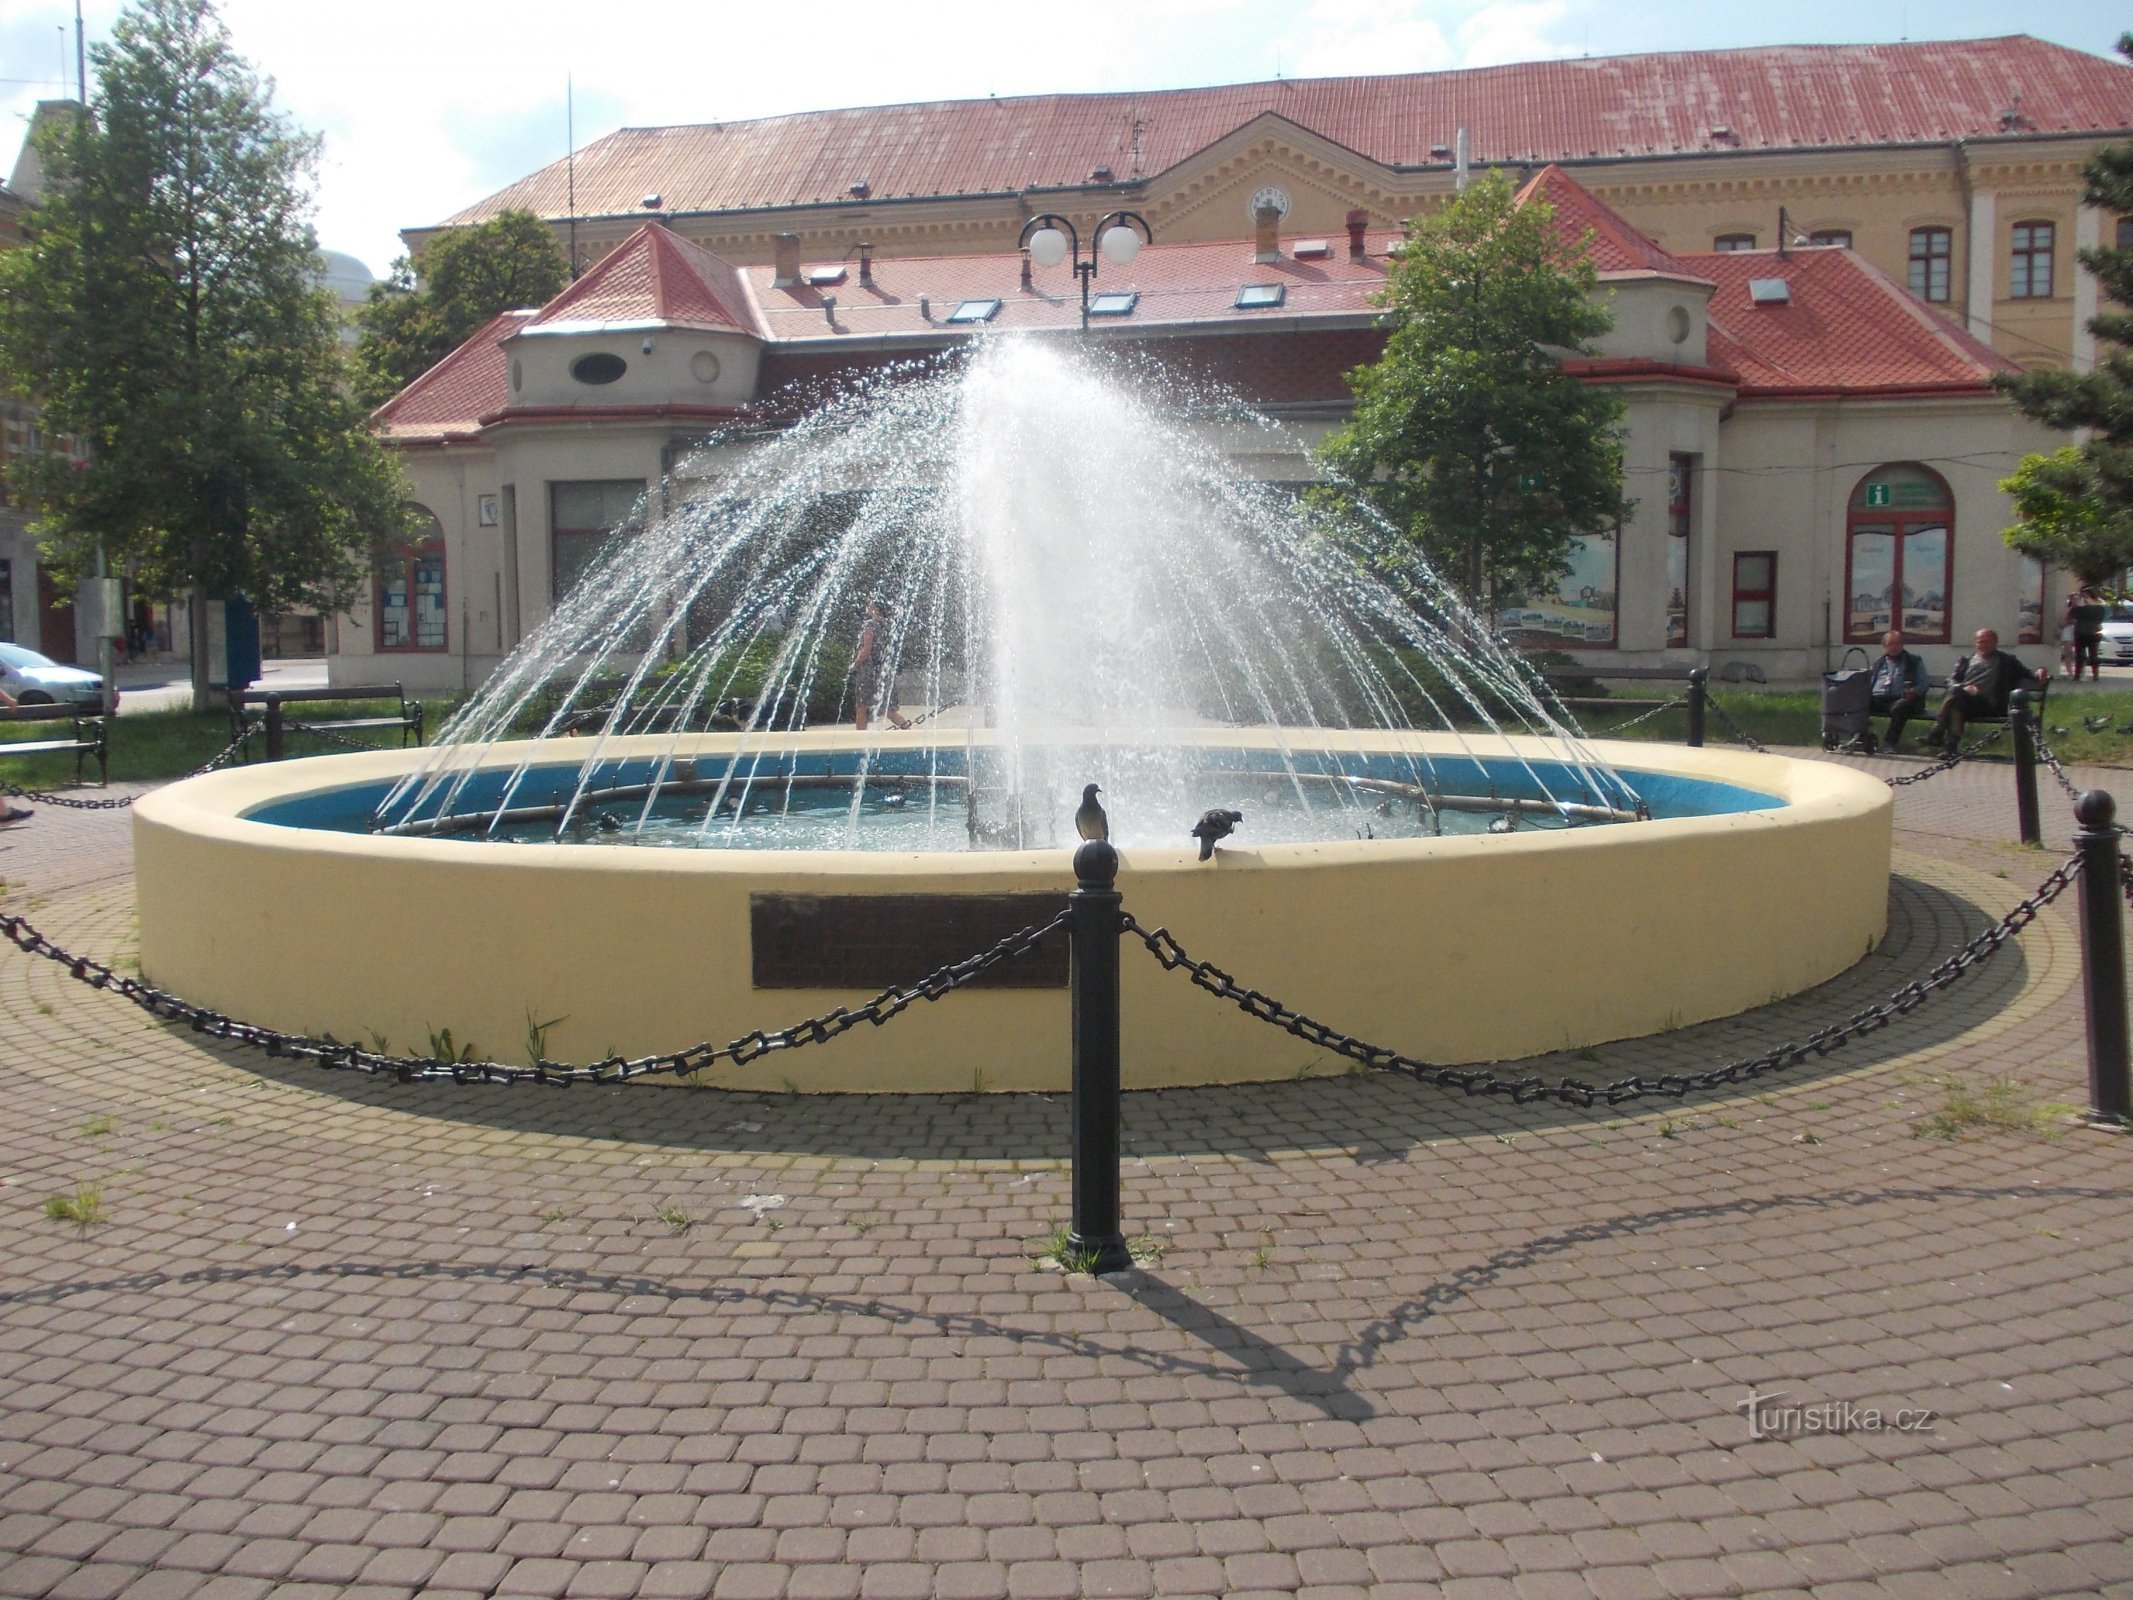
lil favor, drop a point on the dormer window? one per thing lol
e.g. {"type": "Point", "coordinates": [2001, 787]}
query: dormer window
{"type": "Point", "coordinates": [1261, 296]}
{"type": "Point", "coordinates": [975, 311]}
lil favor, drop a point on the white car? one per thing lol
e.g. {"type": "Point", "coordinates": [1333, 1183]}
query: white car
{"type": "Point", "coordinates": [37, 680]}
{"type": "Point", "coordinates": [2117, 645]}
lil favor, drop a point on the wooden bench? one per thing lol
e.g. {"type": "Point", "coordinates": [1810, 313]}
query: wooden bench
{"type": "Point", "coordinates": [86, 736]}
{"type": "Point", "coordinates": [272, 705]}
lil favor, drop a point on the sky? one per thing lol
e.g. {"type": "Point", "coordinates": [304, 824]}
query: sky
{"type": "Point", "coordinates": [426, 107]}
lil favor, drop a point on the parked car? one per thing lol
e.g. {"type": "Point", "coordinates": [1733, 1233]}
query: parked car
{"type": "Point", "coordinates": [38, 680]}
{"type": "Point", "coordinates": [2118, 635]}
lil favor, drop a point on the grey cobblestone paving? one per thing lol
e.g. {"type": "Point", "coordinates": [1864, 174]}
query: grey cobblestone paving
{"type": "Point", "coordinates": [354, 1339]}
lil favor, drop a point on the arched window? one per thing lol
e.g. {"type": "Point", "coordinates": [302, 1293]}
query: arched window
{"type": "Point", "coordinates": [1898, 556]}
{"type": "Point", "coordinates": [410, 598]}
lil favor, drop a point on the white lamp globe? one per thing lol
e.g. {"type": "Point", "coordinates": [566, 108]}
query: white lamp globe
{"type": "Point", "coordinates": [1120, 244]}
{"type": "Point", "coordinates": [1047, 247]}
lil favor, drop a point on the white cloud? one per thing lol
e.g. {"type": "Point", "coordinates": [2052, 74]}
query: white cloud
{"type": "Point", "coordinates": [1513, 30]}
{"type": "Point", "coordinates": [1341, 37]}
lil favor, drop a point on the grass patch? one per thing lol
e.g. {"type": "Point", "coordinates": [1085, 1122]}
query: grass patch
{"type": "Point", "coordinates": [2002, 1104]}
{"type": "Point", "coordinates": [84, 1207]}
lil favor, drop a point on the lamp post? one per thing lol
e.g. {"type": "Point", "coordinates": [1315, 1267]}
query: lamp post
{"type": "Point", "coordinates": [1051, 239]}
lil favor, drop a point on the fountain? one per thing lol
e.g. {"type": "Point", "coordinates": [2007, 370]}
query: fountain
{"type": "Point", "coordinates": [656, 824]}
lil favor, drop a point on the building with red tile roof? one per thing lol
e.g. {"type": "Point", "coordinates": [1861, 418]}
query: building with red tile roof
{"type": "Point", "coordinates": [1952, 165]}
{"type": "Point", "coordinates": [1767, 393]}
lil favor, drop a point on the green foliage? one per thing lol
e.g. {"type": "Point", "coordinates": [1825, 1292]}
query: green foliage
{"type": "Point", "coordinates": [471, 275]}
{"type": "Point", "coordinates": [2072, 516]}
{"type": "Point", "coordinates": [2076, 505]}
{"type": "Point", "coordinates": [1468, 436]}
{"type": "Point", "coordinates": [164, 312]}
{"type": "Point", "coordinates": [84, 1207]}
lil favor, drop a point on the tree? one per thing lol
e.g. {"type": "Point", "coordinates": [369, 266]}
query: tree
{"type": "Point", "coordinates": [1468, 436]}
{"type": "Point", "coordinates": [473, 273]}
{"type": "Point", "coordinates": [165, 311]}
{"type": "Point", "coordinates": [2071, 517]}
{"type": "Point", "coordinates": [2076, 505]}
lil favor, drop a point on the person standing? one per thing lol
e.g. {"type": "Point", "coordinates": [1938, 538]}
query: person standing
{"type": "Point", "coordinates": [868, 661]}
{"type": "Point", "coordinates": [1898, 688]}
{"type": "Point", "coordinates": [1980, 686]}
{"type": "Point", "coordinates": [2085, 612]}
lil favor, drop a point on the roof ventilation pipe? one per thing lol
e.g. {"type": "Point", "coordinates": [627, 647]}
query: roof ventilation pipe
{"type": "Point", "coordinates": [788, 261]}
{"type": "Point", "coordinates": [1268, 247]}
{"type": "Point", "coordinates": [865, 247]}
{"type": "Point", "coordinates": [1357, 222]}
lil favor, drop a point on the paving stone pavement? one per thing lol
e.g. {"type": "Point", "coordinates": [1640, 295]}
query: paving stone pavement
{"type": "Point", "coordinates": [340, 1337]}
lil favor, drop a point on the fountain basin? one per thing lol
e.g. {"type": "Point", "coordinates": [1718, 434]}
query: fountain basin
{"type": "Point", "coordinates": [1451, 949]}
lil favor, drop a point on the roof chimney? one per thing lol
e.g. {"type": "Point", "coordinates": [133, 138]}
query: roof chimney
{"type": "Point", "coordinates": [1357, 222]}
{"type": "Point", "coordinates": [866, 261]}
{"type": "Point", "coordinates": [1268, 247]}
{"type": "Point", "coordinates": [788, 261]}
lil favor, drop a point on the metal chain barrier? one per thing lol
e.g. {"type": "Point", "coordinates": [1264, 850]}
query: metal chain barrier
{"type": "Point", "coordinates": [331, 1053]}
{"type": "Point", "coordinates": [2125, 876]}
{"type": "Point", "coordinates": [1738, 732]}
{"type": "Point", "coordinates": [328, 736]}
{"type": "Point", "coordinates": [1948, 763]}
{"type": "Point", "coordinates": [1576, 1092]}
{"type": "Point", "coordinates": [47, 797]}
{"type": "Point", "coordinates": [1642, 716]}
{"type": "Point", "coordinates": [2050, 758]}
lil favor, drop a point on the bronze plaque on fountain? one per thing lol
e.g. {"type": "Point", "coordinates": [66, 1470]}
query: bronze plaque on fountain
{"type": "Point", "coordinates": [874, 941]}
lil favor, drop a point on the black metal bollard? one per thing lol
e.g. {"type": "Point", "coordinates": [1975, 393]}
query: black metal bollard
{"type": "Point", "coordinates": [2019, 723]}
{"type": "Point", "coordinates": [2103, 956]}
{"type": "Point", "coordinates": [1094, 904]}
{"type": "Point", "coordinates": [1698, 678]}
{"type": "Point", "coordinates": [274, 728]}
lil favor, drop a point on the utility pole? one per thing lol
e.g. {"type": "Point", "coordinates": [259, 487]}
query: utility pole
{"type": "Point", "coordinates": [107, 609]}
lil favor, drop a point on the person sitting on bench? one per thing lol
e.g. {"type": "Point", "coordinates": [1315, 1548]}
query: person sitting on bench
{"type": "Point", "coordinates": [1979, 687]}
{"type": "Point", "coordinates": [1898, 689]}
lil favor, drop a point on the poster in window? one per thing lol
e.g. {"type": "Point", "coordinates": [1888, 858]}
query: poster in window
{"type": "Point", "coordinates": [1579, 612]}
{"type": "Point", "coordinates": [1871, 611]}
{"type": "Point", "coordinates": [2029, 603]}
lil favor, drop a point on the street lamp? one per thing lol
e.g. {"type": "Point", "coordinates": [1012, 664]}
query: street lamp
{"type": "Point", "coordinates": [1051, 239]}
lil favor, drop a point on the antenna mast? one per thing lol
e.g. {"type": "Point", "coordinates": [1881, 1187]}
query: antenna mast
{"type": "Point", "coordinates": [570, 135]}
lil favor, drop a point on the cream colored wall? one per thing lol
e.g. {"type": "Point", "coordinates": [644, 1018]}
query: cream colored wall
{"type": "Point", "coordinates": [450, 483]}
{"type": "Point", "coordinates": [1792, 470]}
{"type": "Point", "coordinates": [532, 458]}
{"type": "Point", "coordinates": [1457, 949]}
{"type": "Point", "coordinates": [538, 368]}
{"type": "Point", "coordinates": [1663, 419]}
{"type": "Point", "coordinates": [1657, 319]}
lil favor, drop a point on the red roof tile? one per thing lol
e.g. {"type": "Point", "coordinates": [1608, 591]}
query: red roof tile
{"type": "Point", "coordinates": [1617, 246]}
{"type": "Point", "coordinates": [448, 401]}
{"type": "Point", "coordinates": [1846, 328]}
{"type": "Point", "coordinates": [1780, 98]}
{"type": "Point", "coordinates": [655, 276]}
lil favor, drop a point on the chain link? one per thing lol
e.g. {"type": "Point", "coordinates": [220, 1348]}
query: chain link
{"type": "Point", "coordinates": [890, 1002]}
{"type": "Point", "coordinates": [1954, 759]}
{"type": "Point", "coordinates": [2125, 876]}
{"type": "Point", "coordinates": [1576, 1092]}
{"type": "Point", "coordinates": [2050, 758]}
{"type": "Point", "coordinates": [1642, 716]}
{"type": "Point", "coordinates": [328, 735]}
{"type": "Point", "coordinates": [1737, 730]}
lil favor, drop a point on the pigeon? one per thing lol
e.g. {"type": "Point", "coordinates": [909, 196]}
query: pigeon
{"type": "Point", "coordinates": [894, 800]}
{"type": "Point", "coordinates": [1501, 824]}
{"type": "Point", "coordinates": [607, 823]}
{"type": "Point", "coordinates": [1089, 819]}
{"type": "Point", "coordinates": [1213, 825]}
{"type": "Point", "coordinates": [2096, 724]}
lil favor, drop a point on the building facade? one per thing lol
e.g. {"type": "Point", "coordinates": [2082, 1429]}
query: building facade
{"type": "Point", "coordinates": [1813, 451]}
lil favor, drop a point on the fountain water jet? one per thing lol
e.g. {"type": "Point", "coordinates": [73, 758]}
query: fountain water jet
{"type": "Point", "coordinates": [1081, 590]}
